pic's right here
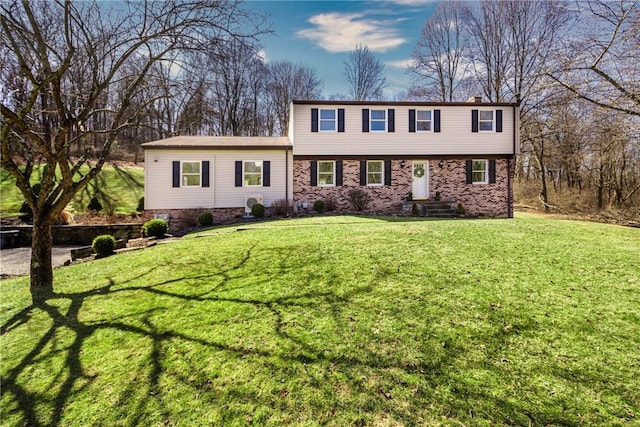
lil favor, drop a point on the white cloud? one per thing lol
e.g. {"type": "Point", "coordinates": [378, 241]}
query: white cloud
{"type": "Point", "coordinates": [341, 32]}
{"type": "Point", "coordinates": [400, 63]}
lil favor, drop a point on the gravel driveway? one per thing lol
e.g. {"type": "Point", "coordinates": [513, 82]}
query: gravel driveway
{"type": "Point", "coordinates": [15, 261]}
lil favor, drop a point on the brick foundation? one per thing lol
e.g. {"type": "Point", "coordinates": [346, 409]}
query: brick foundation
{"type": "Point", "coordinates": [179, 219]}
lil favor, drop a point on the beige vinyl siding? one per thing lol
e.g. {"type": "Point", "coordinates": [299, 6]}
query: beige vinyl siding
{"type": "Point", "coordinates": [222, 193]}
{"type": "Point", "coordinates": [455, 138]}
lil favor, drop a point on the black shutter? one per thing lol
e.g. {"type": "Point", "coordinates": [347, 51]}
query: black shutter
{"type": "Point", "coordinates": [314, 173]}
{"type": "Point", "coordinates": [412, 120]}
{"type": "Point", "coordinates": [363, 172]}
{"type": "Point", "coordinates": [492, 171]}
{"type": "Point", "coordinates": [474, 120]}
{"type": "Point", "coordinates": [266, 173]}
{"type": "Point", "coordinates": [436, 120]}
{"type": "Point", "coordinates": [391, 119]}
{"type": "Point", "coordinates": [365, 120]}
{"type": "Point", "coordinates": [176, 173]}
{"type": "Point", "coordinates": [498, 120]}
{"type": "Point", "coordinates": [238, 173]}
{"type": "Point", "coordinates": [314, 120]}
{"type": "Point", "coordinates": [469, 170]}
{"type": "Point", "coordinates": [387, 172]}
{"type": "Point", "coordinates": [338, 172]}
{"type": "Point", "coordinates": [340, 119]}
{"type": "Point", "coordinates": [205, 173]}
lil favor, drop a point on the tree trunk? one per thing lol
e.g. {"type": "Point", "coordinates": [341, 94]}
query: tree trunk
{"type": "Point", "coordinates": [41, 267]}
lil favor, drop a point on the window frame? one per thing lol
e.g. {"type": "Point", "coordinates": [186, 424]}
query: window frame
{"type": "Point", "coordinates": [381, 173]}
{"type": "Point", "coordinates": [430, 121]}
{"type": "Point", "coordinates": [372, 121]}
{"type": "Point", "coordinates": [481, 120]}
{"type": "Point", "coordinates": [320, 172]}
{"type": "Point", "coordinates": [334, 120]}
{"type": "Point", "coordinates": [244, 173]}
{"type": "Point", "coordinates": [485, 171]}
{"type": "Point", "coordinates": [184, 174]}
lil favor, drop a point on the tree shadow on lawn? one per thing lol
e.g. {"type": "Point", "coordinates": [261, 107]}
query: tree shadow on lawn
{"type": "Point", "coordinates": [368, 371]}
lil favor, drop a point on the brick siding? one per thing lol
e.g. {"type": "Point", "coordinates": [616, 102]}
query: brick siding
{"type": "Point", "coordinates": [450, 181]}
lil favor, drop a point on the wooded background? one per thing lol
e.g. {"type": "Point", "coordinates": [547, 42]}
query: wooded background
{"type": "Point", "coordinates": [573, 67]}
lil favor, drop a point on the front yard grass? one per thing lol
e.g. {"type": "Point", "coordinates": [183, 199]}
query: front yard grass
{"type": "Point", "coordinates": [337, 321]}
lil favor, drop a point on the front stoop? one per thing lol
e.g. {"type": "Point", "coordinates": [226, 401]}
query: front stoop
{"type": "Point", "coordinates": [432, 208]}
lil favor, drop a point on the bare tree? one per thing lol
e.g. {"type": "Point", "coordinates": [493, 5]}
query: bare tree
{"type": "Point", "coordinates": [438, 63]}
{"type": "Point", "coordinates": [365, 74]}
{"type": "Point", "coordinates": [602, 64]}
{"type": "Point", "coordinates": [509, 44]}
{"type": "Point", "coordinates": [47, 47]}
{"type": "Point", "coordinates": [288, 81]}
{"type": "Point", "coordinates": [236, 79]}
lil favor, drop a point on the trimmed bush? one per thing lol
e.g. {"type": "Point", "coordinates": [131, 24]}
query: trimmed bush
{"type": "Point", "coordinates": [319, 206]}
{"type": "Point", "coordinates": [359, 199]}
{"type": "Point", "coordinates": [140, 207]}
{"type": "Point", "coordinates": [257, 210]}
{"type": "Point", "coordinates": [104, 245]}
{"type": "Point", "coordinates": [460, 210]}
{"type": "Point", "coordinates": [94, 205]}
{"type": "Point", "coordinates": [154, 228]}
{"type": "Point", "coordinates": [205, 219]}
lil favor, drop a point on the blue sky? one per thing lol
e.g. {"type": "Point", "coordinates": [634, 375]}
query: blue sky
{"type": "Point", "coordinates": [320, 34]}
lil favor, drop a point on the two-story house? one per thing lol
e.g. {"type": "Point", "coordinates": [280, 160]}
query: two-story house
{"type": "Point", "coordinates": [464, 152]}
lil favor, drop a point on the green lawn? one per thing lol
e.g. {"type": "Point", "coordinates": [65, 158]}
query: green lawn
{"type": "Point", "coordinates": [120, 188]}
{"type": "Point", "coordinates": [337, 321]}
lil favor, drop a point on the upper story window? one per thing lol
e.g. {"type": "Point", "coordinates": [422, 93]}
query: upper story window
{"type": "Point", "coordinates": [378, 121]}
{"type": "Point", "coordinates": [328, 119]}
{"type": "Point", "coordinates": [252, 173]}
{"type": "Point", "coordinates": [326, 173]}
{"type": "Point", "coordinates": [375, 172]}
{"type": "Point", "coordinates": [424, 121]}
{"type": "Point", "coordinates": [485, 120]}
{"type": "Point", "coordinates": [190, 174]}
{"type": "Point", "coordinates": [480, 172]}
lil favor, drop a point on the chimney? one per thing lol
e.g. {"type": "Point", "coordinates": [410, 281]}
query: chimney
{"type": "Point", "coordinates": [475, 99]}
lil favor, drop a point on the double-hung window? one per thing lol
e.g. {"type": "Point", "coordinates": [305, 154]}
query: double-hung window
{"type": "Point", "coordinates": [378, 121]}
{"type": "Point", "coordinates": [326, 173]}
{"type": "Point", "coordinates": [375, 172]}
{"type": "Point", "coordinates": [190, 174]}
{"type": "Point", "coordinates": [252, 173]}
{"type": "Point", "coordinates": [485, 120]}
{"type": "Point", "coordinates": [328, 119]}
{"type": "Point", "coordinates": [480, 171]}
{"type": "Point", "coordinates": [424, 121]}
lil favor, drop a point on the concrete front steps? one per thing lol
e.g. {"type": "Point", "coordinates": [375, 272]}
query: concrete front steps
{"type": "Point", "coordinates": [432, 208]}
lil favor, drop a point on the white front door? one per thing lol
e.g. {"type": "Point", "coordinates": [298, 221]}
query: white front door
{"type": "Point", "coordinates": [420, 183]}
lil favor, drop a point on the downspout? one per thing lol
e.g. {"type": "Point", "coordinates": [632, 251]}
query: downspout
{"type": "Point", "coordinates": [286, 175]}
{"type": "Point", "coordinates": [509, 190]}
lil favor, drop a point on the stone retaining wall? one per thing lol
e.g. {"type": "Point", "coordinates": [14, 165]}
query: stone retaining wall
{"type": "Point", "coordinates": [79, 234]}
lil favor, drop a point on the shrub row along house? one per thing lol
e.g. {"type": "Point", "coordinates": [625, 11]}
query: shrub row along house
{"type": "Point", "coordinates": [393, 151]}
